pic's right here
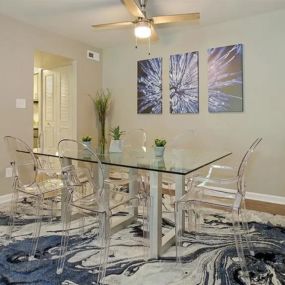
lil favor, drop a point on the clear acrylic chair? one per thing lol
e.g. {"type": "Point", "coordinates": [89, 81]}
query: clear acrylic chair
{"type": "Point", "coordinates": [214, 193]}
{"type": "Point", "coordinates": [183, 140]}
{"type": "Point", "coordinates": [29, 180]}
{"type": "Point", "coordinates": [229, 171]}
{"type": "Point", "coordinates": [134, 143]}
{"type": "Point", "coordinates": [135, 140]}
{"type": "Point", "coordinates": [90, 199]}
{"type": "Point", "coordinates": [48, 166]}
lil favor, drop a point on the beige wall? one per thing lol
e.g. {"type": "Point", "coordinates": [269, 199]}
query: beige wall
{"type": "Point", "coordinates": [18, 45]}
{"type": "Point", "coordinates": [264, 93]}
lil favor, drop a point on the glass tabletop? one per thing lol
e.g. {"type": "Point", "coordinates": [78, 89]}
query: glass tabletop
{"type": "Point", "coordinates": [174, 161]}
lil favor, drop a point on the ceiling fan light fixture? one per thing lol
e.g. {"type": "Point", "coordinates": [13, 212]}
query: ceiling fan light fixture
{"type": "Point", "coordinates": [142, 30]}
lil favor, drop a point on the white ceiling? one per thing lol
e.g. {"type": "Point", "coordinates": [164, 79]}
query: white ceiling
{"type": "Point", "coordinates": [73, 18]}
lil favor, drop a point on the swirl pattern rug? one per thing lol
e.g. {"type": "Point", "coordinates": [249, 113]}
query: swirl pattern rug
{"type": "Point", "coordinates": [209, 257]}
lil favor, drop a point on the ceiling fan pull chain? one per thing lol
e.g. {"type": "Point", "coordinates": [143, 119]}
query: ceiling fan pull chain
{"type": "Point", "coordinates": [149, 46]}
{"type": "Point", "coordinates": [136, 43]}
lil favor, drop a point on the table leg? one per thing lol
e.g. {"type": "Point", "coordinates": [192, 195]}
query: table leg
{"type": "Point", "coordinates": [179, 186]}
{"type": "Point", "coordinates": [123, 222]}
{"type": "Point", "coordinates": [169, 239]}
{"type": "Point", "coordinates": [133, 189]}
{"type": "Point", "coordinates": [155, 214]}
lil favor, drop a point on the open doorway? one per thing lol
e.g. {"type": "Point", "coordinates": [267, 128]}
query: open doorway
{"type": "Point", "coordinates": [54, 99]}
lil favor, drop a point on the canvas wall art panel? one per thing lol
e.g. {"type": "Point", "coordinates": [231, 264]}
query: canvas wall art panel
{"type": "Point", "coordinates": [184, 83]}
{"type": "Point", "coordinates": [149, 86]}
{"type": "Point", "coordinates": [225, 79]}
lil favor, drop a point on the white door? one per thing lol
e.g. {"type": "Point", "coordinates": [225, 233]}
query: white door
{"type": "Point", "coordinates": [58, 106]}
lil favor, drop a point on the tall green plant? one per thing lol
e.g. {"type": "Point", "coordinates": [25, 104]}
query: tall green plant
{"type": "Point", "coordinates": [102, 103]}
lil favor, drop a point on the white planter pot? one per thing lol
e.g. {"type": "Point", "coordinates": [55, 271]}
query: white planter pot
{"type": "Point", "coordinates": [88, 144]}
{"type": "Point", "coordinates": [116, 146]}
{"type": "Point", "coordinates": [86, 153]}
{"type": "Point", "coordinates": [159, 150]}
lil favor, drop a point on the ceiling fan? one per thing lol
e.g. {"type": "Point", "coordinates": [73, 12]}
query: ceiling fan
{"type": "Point", "coordinates": [143, 25]}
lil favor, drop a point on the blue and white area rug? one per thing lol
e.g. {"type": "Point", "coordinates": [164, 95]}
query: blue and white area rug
{"type": "Point", "coordinates": [210, 256]}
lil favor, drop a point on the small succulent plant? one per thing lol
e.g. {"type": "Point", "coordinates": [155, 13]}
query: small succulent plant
{"type": "Point", "coordinates": [160, 142]}
{"type": "Point", "coordinates": [86, 139]}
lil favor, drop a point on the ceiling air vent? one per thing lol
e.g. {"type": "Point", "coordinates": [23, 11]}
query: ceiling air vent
{"type": "Point", "coordinates": [93, 55]}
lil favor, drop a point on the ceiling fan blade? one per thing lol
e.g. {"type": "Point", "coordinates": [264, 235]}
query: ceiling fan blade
{"type": "Point", "coordinates": [154, 35]}
{"type": "Point", "coordinates": [112, 25]}
{"type": "Point", "coordinates": [133, 8]}
{"type": "Point", "coordinates": [175, 18]}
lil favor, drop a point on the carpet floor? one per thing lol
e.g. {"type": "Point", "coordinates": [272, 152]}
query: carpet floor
{"type": "Point", "coordinates": [209, 256]}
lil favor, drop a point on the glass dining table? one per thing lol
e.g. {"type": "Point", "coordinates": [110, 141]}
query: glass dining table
{"type": "Point", "coordinates": [179, 163]}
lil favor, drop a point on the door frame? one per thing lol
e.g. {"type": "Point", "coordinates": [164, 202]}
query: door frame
{"type": "Point", "coordinates": [73, 102]}
{"type": "Point", "coordinates": [74, 99]}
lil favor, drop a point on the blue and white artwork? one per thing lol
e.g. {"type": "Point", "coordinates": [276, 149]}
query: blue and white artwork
{"type": "Point", "coordinates": [184, 83]}
{"type": "Point", "coordinates": [149, 86]}
{"type": "Point", "coordinates": [225, 79]}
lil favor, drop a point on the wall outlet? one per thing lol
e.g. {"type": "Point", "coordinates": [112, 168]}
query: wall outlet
{"type": "Point", "coordinates": [21, 103]}
{"type": "Point", "coordinates": [9, 172]}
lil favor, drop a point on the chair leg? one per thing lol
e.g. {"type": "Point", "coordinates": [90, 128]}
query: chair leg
{"type": "Point", "coordinates": [66, 220]}
{"type": "Point", "coordinates": [246, 228]}
{"type": "Point", "coordinates": [104, 243]}
{"type": "Point", "coordinates": [13, 211]}
{"type": "Point", "coordinates": [146, 204]}
{"type": "Point", "coordinates": [52, 210]}
{"type": "Point", "coordinates": [37, 226]}
{"type": "Point", "coordinates": [194, 218]}
{"type": "Point", "coordinates": [199, 213]}
{"type": "Point", "coordinates": [178, 217]}
{"type": "Point", "coordinates": [177, 237]}
{"type": "Point", "coordinates": [239, 245]}
{"type": "Point", "coordinates": [82, 219]}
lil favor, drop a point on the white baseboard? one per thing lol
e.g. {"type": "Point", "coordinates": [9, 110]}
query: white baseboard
{"type": "Point", "coordinates": [266, 198]}
{"type": "Point", "coordinates": [5, 198]}
{"type": "Point", "coordinates": [249, 195]}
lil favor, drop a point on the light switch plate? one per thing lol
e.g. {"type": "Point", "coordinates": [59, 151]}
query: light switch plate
{"type": "Point", "coordinates": [9, 172]}
{"type": "Point", "coordinates": [93, 55]}
{"type": "Point", "coordinates": [21, 103]}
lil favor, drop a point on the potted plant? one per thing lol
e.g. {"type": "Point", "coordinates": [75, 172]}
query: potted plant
{"type": "Point", "coordinates": [102, 104]}
{"type": "Point", "coordinates": [86, 140]}
{"type": "Point", "coordinates": [116, 144]}
{"type": "Point", "coordinates": [159, 147]}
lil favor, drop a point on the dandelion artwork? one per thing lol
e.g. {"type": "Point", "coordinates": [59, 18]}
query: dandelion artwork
{"type": "Point", "coordinates": [184, 83]}
{"type": "Point", "coordinates": [149, 86]}
{"type": "Point", "coordinates": [225, 79]}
